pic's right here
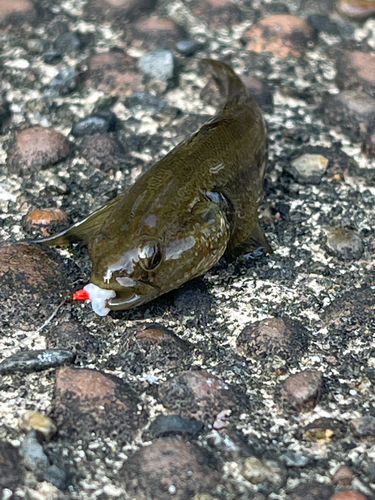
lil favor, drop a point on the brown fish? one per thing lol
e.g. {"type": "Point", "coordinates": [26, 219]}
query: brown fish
{"type": "Point", "coordinates": [198, 203]}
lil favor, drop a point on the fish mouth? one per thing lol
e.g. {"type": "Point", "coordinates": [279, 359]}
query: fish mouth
{"type": "Point", "coordinates": [132, 300]}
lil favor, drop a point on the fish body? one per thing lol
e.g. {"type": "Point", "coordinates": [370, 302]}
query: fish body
{"type": "Point", "coordinates": [198, 203]}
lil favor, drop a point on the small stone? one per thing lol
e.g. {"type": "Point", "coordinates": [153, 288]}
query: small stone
{"type": "Point", "coordinates": [51, 57]}
{"type": "Point", "coordinates": [35, 360]}
{"type": "Point", "coordinates": [67, 43]}
{"type": "Point", "coordinates": [118, 11]}
{"type": "Point", "coordinates": [356, 70]}
{"type": "Point", "coordinates": [364, 426]}
{"type": "Point", "coordinates": [97, 123]}
{"type": "Point", "coordinates": [284, 35]}
{"type": "Point", "coordinates": [56, 476]}
{"type": "Point", "coordinates": [15, 12]}
{"type": "Point", "coordinates": [32, 453]}
{"type": "Point", "coordinates": [186, 47]}
{"type": "Point", "coordinates": [311, 491]}
{"type": "Point", "coordinates": [158, 64]}
{"type": "Point", "coordinates": [169, 465]}
{"type": "Point", "coordinates": [103, 151]}
{"type": "Point", "coordinates": [217, 13]}
{"type": "Point", "coordinates": [264, 471]}
{"type": "Point", "coordinates": [62, 84]}
{"type": "Point", "coordinates": [165, 425]}
{"type": "Point", "coordinates": [36, 147]}
{"type": "Point", "coordinates": [260, 90]}
{"type": "Point", "coordinates": [322, 22]}
{"type": "Point", "coordinates": [344, 243]}
{"type": "Point", "coordinates": [75, 337]}
{"type": "Point", "coordinates": [358, 10]}
{"type": "Point", "coordinates": [155, 32]}
{"type": "Point", "coordinates": [35, 45]}
{"type": "Point", "coordinates": [113, 72]}
{"type": "Point", "coordinates": [11, 472]}
{"type": "Point", "coordinates": [368, 146]}
{"type": "Point", "coordinates": [351, 111]}
{"type": "Point", "coordinates": [303, 388]}
{"type": "Point", "coordinates": [295, 459]}
{"type": "Point", "coordinates": [5, 114]}
{"type": "Point", "coordinates": [32, 281]}
{"type": "Point", "coordinates": [145, 101]}
{"type": "Point", "coordinates": [273, 337]}
{"type": "Point", "coordinates": [323, 430]}
{"type": "Point", "coordinates": [88, 403]}
{"type": "Point", "coordinates": [45, 222]}
{"type": "Point", "coordinates": [54, 184]}
{"type": "Point", "coordinates": [308, 168]}
{"type": "Point", "coordinates": [357, 305]}
{"type": "Point", "coordinates": [343, 476]}
{"type": "Point", "coordinates": [197, 394]}
{"type": "Point", "coordinates": [33, 420]}
{"type": "Point", "coordinates": [348, 495]}
{"type": "Point", "coordinates": [155, 346]}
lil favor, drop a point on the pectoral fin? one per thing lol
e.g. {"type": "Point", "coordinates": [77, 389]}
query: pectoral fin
{"type": "Point", "coordinates": [83, 230]}
{"type": "Point", "coordinates": [257, 239]}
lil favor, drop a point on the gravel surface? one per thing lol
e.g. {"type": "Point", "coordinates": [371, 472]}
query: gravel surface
{"type": "Point", "coordinates": [253, 382]}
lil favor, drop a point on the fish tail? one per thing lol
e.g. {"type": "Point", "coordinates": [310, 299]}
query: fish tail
{"type": "Point", "coordinates": [230, 84]}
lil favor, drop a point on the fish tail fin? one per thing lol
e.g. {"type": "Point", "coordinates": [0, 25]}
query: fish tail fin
{"type": "Point", "coordinates": [230, 84]}
{"type": "Point", "coordinates": [81, 231]}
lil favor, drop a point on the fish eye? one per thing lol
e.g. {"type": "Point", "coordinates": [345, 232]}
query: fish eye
{"type": "Point", "coordinates": [149, 255]}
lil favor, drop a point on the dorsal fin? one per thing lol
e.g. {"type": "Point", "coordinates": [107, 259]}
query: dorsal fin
{"type": "Point", "coordinates": [83, 230]}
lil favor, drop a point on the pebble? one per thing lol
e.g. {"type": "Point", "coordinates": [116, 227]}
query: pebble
{"type": "Point", "coordinates": [57, 476]}
{"type": "Point", "coordinates": [67, 43]}
{"type": "Point", "coordinates": [35, 45]}
{"type": "Point", "coordinates": [91, 403]}
{"type": "Point", "coordinates": [96, 123]}
{"type": "Point", "coordinates": [186, 47]}
{"type": "Point", "coordinates": [63, 83]}
{"type": "Point", "coordinates": [103, 151]}
{"type": "Point", "coordinates": [352, 111]}
{"type": "Point", "coordinates": [260, 90]}
{"type": "Point", "coordinates": [311, 491]}
{"type": "Point", "coordinates": [358, 304]}
{"type": "Point", "coordinates": [343, 476]}
{"type": "Point", "coordinates": [158, 64]}
{"type": "Point", "coordinates": [303, 388]}
{"type": "Point", "coordinates": [5, 114]}
{"type": "Point", "coordinates": [11, 472]}
{"type": "Point", "coordinates": [368, 146]}
{"type": "Point", "coordinates": [152, 346]}
{"type": "Point", "coordinates": [169, 465]}
{"type": "Point", "coordinates": [348, 495]}
{"type": "Point", "coordinates": [259, 471]}
{"type": "Point", "coordinates": [51, 57]}
{"type": "Point", "coordinates": [284, 35]}
{"type": "Point", "coordinates": [75, 337]}
{"type": "Point", "coordinates": [364, 426]}
{"type": "Point", "coordinates": [35, 360]}
{"type": "Point", "coordinates": [33, 280]}
{"type": "Point", "coordinates": [145, 101]}
{"type": "Point", "coordinates": [43, 222]}
{"type": "Point", "coordinates": [308, 168]}
{"type": "Point", "coordinates": [16, 12]}
{"type": "Point", "coordinates": [165, 425]}
{"type": "Point", "coordinates": [217, 13]}
{"type": "Point", "coordinates": [32, 453]}
{"type": "Point", "coordinates": [197, 394]}
{"type": "Point", "coordinates": [356, 70]}
{"type": "Point", "coordinates": [344, 243]}
{"type": "Point", "coordinates": [55, 184]}
{"type": "Point", "coordinates": [155, 32]}
{"type": "Point", "coordinates": [36, 147]}
{"type": "Point", "coordinates": [273, 337]}
{"type": "Point", "coordinates": [322, 22]}
{"type": "Point", "coordinates": [295, 459]}
{"type": "Point", "coordinates": [33, 420]}
{"type": "Point", "coordinates": [358, 10]}
{"type": "Point", "coordinates": [323, 430]}
{"type": "Point", "coordinates": [113, 72]}
{"type": "Point", "coordinates": [118, 11]}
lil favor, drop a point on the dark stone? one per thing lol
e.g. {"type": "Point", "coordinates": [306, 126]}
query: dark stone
{"type": "Point", "coordinates": [35, 360]}
{"type": "Point", "coordinates": [67, 43]}
{"type": "Point", "coordinates": [17, 12]}
{"type": "Point", "coordinates": [364, 426]}
{"type": "Point", "coordinates": [311, 491]}
{"type": "Point", "coordinates": [324, 429]}
{"type": "Point", "coordinates": [157, 32]}
{"type": "Point", "coordinates": [5, 114]}
{"type": "Point", "coordinates": [32, 453]}
{"type": "Point", "coordinates": [166, 425]}
{"type": "Point", "coordinates": [75, 337]}
{"type": "Point", "coordinates": [97, 123]}
{"type": "Point", "coordinates": [303, 389]}
{"type": "Point", "coordinates": [103, 151]}
{"type": "Point", "coordinates": [356, 306]}
{"type": "Point", "coordinates": [145, 101]}
{"type": "Point", "coordinates": [169, 466]}
{"type": "Point", "coordinates": [11, 472]}
{"type": "Point", "coordinates": [322, 22]}
{"type": "Point", "coordinates": [51, 57]}
{"type": "Point", "coordinates": [355, 70]}
{"type": "Point", "coordinates": [344, 243]}
{"type": "Point", "coordinates": [62, 84]}
{"type": "Point", "coordinates": [58, 477]}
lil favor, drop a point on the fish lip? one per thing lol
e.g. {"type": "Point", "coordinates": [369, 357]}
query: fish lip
{"type": "Point", "coordinates": [132, 300]}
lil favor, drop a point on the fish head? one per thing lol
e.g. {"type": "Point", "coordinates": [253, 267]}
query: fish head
{"type": "Point", "coordinates": [131, 270]}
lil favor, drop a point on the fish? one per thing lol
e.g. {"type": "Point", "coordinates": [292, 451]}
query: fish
{"type": "Point", "coordinates": [194, 206]}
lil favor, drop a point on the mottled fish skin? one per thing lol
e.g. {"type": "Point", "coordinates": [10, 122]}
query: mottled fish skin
{"type": "Point", "coordinates": [198, 203]}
